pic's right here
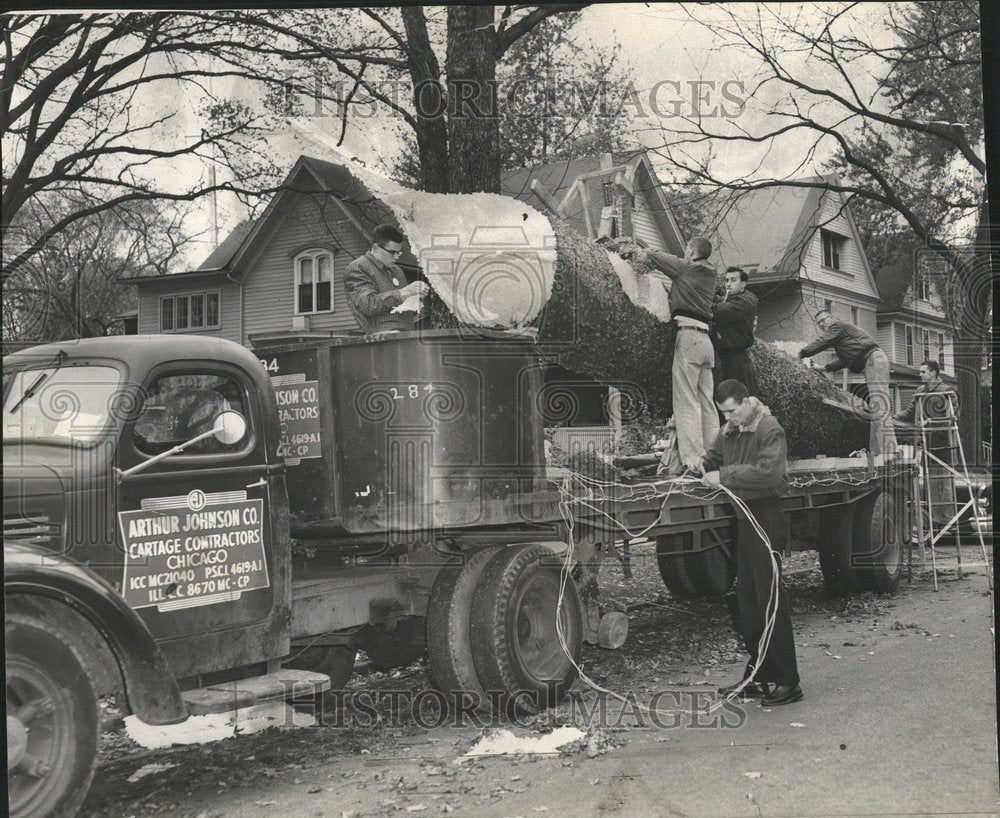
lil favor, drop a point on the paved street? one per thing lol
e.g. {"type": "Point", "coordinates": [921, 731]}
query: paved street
{"type": "Point", "coordinates": [898, 719]}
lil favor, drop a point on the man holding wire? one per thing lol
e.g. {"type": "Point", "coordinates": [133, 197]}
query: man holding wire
{"type": "Point", "coordinates": [749, 458]}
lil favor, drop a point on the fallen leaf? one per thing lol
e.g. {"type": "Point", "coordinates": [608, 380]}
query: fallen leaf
{"type": "Point", "coordinates": [752, 775]}
{"type": "Point", "coordinates": [314, 790]}
{"type": "Point", "coordinates": [416, 808]}
{"type": "Point", "coordinates": [797, 724]}
{"type": "Point", "coordinates": [594, 781]}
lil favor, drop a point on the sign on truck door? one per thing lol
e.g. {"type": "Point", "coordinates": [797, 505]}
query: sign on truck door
{"type": "Point", "coordinates": [195, 528]}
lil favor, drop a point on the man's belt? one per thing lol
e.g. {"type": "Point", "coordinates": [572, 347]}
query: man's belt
{"type": "Point", "coordinates": [696, 329]}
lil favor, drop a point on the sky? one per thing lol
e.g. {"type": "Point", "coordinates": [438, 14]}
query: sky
{"type": "Point", "coordinates": [673, 62]}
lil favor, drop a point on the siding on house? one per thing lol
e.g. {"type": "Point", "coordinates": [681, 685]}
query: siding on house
{"type": "Point", "coordinates": [269, 287]}
{"type": "Point", "coordinates": [643, 225]}
{"type": "Point", "coordinates": [832, 217]}
{"type": "Point", "coordinates": [229, 304]}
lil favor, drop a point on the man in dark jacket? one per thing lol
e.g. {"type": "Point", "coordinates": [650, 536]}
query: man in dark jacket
{"type": "Point", "coordinates": [859, 352]}
{"type": "Point", "coordinates": [733, 328]}
{"type": "Point", "coordinates": [749, 457]}
{"type": "Point", "coordinates": [691, 296]}
{"type": "Point", "coordinates": [376, 285]}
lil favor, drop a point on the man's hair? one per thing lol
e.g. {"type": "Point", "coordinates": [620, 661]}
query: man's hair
{"type": "Point", "coordinates": [701, 246]}
{"type": "Point", "coordinates": [732, 388]}
{"type": "Point", "coordinates": [744, 276]}
{"type": "Point", "coordinates": [823, 312]}
{"type": "Point", "coordinates": [932, 365]}
{"type": "Point", "coordinates": [386, 232]}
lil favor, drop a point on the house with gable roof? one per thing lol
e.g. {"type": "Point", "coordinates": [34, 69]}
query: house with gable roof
{"type": "Point", "coordinates": [912, 323]}
{"type": "Point", "coordinates": [279, 278]}
{"type": "Point", "coordinates": [802, 250]}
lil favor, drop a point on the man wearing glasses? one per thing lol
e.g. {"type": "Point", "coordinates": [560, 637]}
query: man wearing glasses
{"type": "Point", "coordinates": [376, 285]}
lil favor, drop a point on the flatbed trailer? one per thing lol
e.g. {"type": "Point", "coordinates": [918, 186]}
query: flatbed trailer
{"type": "Point", "coordinates": [197, 527]}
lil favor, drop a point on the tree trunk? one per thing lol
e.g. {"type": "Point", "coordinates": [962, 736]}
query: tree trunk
{"type": "Point", "coordinates": [473, 121]}
{"type": "Point", "coordinates": [429, 102]}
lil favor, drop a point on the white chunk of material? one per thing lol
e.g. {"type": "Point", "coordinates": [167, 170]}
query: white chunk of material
{"type": "Point", "coordinates": [411, 304]}
{"type": "Point", "coordinates": [216, 726]}
{"type": "Point", "coordinates": [490, 258]}
{"type": "Point", "coordinates": [504, 742]}
{"type": "Point", "coordinates": [644, 291]}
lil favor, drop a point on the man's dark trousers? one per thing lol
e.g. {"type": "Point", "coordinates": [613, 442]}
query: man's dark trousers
{"type": "Point", "coordinates": [753, 588]}
{"type": "Point", "coordinates": [736, 364]}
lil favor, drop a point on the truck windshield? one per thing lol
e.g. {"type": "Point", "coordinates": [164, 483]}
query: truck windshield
{"type": "Point", "coordinates": [67, 405]}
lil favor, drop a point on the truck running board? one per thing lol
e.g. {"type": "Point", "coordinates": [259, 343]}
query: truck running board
{"type": "Point", "coordinates": [285, 683]}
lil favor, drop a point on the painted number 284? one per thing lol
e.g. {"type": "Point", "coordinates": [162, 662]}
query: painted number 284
{"type": "Point", "coordinates": [411, 391]}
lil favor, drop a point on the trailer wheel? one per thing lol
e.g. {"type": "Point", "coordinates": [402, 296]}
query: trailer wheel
{"type": "Point", "coordinates": [515, 644]}
{"type": "Point", "coordinates": [836, 550]}
{"type": "Point", "coordinates": [700, 573]}
{"type": "Point", "coordinates": [336, 661]}
{"type": "Point", "coordinates": [878, 544]}
{"type": "Point", "coordinates": [449, 641]}
{"type": "Point", "coordinates": [52, 720]}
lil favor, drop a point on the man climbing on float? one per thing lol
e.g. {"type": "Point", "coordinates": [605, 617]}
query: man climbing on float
{"type": "Point", "coordinates": [691, 297]}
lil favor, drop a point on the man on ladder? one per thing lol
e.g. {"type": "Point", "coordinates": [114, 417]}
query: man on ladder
{"type": "Point", "coordinates": [934, 408]}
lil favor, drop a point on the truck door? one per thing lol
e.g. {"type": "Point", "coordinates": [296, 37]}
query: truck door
{"type": "Point", "coordinates": [196, 528]}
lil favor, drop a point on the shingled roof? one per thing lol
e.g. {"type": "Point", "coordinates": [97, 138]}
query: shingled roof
{"type": "Point", "coordinates": [768, 228]}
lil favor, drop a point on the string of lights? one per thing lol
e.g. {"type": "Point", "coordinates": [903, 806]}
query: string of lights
{"type": "Point", "coordinates": [664, 489]}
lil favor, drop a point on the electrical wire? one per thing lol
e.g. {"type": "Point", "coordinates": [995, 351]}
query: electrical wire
{"type": "Point", "coordinates": [568, 499]}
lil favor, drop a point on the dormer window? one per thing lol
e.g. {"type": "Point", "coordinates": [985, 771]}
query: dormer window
{"type": "Point", "coordinates": [313, 281]}
{"type": "Point", "coordinates": [833, 248]}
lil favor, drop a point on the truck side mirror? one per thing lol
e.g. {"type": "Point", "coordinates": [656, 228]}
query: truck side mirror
{"type": "Point", "coordinates": [230, 427]}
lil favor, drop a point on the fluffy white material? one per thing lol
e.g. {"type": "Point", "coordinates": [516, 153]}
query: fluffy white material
{"type": "Point", "coordinates": [646, 291]}
{"type": "Point", "coordinates": [490, 258]}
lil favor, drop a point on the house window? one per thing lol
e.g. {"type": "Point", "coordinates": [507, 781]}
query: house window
{"type": "Point", "coordinates": [608, 189]}
{"type": "Point", "coordinates": [854, 316]}
{"type": "Point", "coordinates": [909, 346]}
{"type": "Point", "coordinates": [940, 345]}
{"type": "Point", "coordinates": [828, 305]}
{"type": "Point", "coordinates": [313, 281]}
{"type": "Point", "coordinates": [927, 345]}
{"type": "Point", "coordinates": [190, 312]}
{"type": "Point", "coordinates": [923, 290]}
{"type": "Point", "coordinates": [833, 247]}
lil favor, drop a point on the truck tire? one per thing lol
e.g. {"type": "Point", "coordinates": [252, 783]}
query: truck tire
{"type": "Point", "coordinates": [878, 544]}
{"type": "Point", "coordinates": [700, 573]}
{"type": "Point", "coordinates": [449, 640]}
{"type": "Point", "coordinates": [515, 645]}
{"type": "Point", "coordinates": [336, 661]}
{"type": "Point", "coordinates": [52, 720]}
{"type": "Point", "coordinates": [836, 550]}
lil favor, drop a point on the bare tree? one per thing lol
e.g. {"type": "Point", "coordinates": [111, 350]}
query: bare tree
{"type": "Point", "coordinates": [447, 59]}
{"type": "Point", "coordinates": [73, 288]}
{"type": "Point", "coordinates": [901, 115]}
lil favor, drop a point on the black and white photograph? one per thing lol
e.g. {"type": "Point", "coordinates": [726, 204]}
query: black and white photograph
{"type": "Point", "coordinates": [502, 411]}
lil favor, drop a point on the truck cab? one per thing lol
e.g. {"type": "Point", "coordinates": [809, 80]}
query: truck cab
{"type": "Point", "coordinates": [150, 562]}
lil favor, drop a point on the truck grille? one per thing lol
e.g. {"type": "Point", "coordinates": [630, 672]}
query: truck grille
{"type": "Point", "coordinates": [38, 530]}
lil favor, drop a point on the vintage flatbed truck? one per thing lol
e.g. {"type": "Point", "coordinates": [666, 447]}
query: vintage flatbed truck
{"type": "Point", "coordinates": [196, 527]}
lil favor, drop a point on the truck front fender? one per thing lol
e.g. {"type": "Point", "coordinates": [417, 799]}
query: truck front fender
{"type": "Point", "coordinates": [151, 690]}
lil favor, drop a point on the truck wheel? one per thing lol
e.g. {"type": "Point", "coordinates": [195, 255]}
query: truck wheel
{"type": "Point", "coordinates": [700, 573]}
{"type": "Point", "coordinates": [515, 644]}
{"type": "Point", "coordinates": [449, 641]}
{"type": "Point", "coordinates": [836, 552]}
{"type": "Point", "coordinates": [878, 544]}
{"type": "Point", "coordinates": [336, 661]}
{"type": "Point", "coordinates": [52, 721]}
